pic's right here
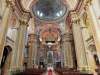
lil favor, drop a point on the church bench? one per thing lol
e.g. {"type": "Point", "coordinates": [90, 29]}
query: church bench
{"type": "Point", "coordinates": [32, 72]}
{"type": "Point", "coordinates": [69, 72]}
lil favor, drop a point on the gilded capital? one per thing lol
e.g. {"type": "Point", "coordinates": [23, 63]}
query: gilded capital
{"type": "Point", "coordinates": [76, 22]}
{"type": "Point", "coordinates": [23, 23]}
{"type": "Point", "coordinates": [10, 5]}
{"type": "Point", "coordinates": [87, 4]}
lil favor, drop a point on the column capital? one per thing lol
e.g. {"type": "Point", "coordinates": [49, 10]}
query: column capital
{"type": "Point", "coordinates": [23, 23]}
{"type": "Point", "coordinates": [75, 22]}
{"type": "Point", "coordinates": [10, 5]}
{"type": "Point", "coordinates": [87, 4]}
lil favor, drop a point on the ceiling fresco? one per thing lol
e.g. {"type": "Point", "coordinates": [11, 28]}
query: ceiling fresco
{"type": "Point", "coordinates": [49, 10]}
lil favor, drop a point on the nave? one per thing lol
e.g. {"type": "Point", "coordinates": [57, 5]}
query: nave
{"type": "Point", "coordinates": [54, 72]}
{"type": "Point", "coordinates": [39, 35]}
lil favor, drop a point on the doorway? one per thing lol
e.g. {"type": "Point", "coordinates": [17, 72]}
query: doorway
{"type": "Point", "coordinates": [6, 60]}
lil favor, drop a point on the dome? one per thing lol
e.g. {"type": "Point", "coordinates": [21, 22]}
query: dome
{"type": "Point", "coordinates": [49, 10]}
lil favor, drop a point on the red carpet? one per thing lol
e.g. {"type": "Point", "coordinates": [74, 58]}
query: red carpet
{"type": "Point", "coordinates": [50, 72]}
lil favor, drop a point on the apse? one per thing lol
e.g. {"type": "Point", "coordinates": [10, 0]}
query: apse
{"type": "Point", "coordinates": [49, 10]}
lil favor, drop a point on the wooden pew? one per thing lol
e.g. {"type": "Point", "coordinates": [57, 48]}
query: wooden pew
{"type": "Point", "coordinates": [69, 72]}
{"type": "Point", "coordinates": [32, 72]}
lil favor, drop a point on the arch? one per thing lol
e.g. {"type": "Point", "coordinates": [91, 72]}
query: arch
{"type": "Point", "coordinates": [6, 60]}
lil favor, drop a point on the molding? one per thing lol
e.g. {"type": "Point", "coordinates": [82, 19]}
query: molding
{"type": "Point", "coordinates": [21, 11]}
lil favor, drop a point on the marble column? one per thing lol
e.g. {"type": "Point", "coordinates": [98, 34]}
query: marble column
{"type": "Point", "coordinates": [70, 56]}
{"type": "Point", "coordinates": [4, 26]}
{"type": "Point", "coordinates": [61, 56]}
{"type": "Point", "coordinates": [22, 40]}
{"type": "Point", "coordinates": [15, 50]}
{"type": "Point", "coordinates": [94, 24]}
{"type": "Point", "coordinates": [35, 57]}
{"type": "Point", "coordinates": [79, 45]}
{"type": "Point", "coordinates": [38, 56]}
{"type": "Point", "coordinates": [64, 50]}
{"type": "Point", "coordinates": [30, 59]}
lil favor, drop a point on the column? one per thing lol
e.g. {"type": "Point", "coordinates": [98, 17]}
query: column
{"type": "Point", "coordinates": [30, 59]}
{"type": "Point", "coordinates": [15, 50]}
{"type": "Point", "coordinates": [22, 40]}
{"type": "Point", "coordinates": [4, 26]}
{"type": "Point", "coordinates": [61, 56]}
{"type": "Point", "coordinates": [35, 57]}
{"type": "Point", "coordinates": [94, 24]}
{"type": "Point", "coordinates": [70, 56]}
{"type": "Point", "coordinates": [64, 54]}
{"type": "Point", "coordinates": [79, 46]}
{"type": "Point", "coordinates": [38, 56]}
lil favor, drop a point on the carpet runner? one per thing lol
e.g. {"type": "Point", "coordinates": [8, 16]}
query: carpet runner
{"type": "Point", "coordinates": [50, 72]}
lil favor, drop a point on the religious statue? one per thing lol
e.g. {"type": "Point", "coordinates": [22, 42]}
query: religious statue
{"type": "Point", "coordinates": [49, 58]}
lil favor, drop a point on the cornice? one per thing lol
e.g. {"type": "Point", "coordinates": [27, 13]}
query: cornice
{"type": "Point", "coordinates": [20, 9]}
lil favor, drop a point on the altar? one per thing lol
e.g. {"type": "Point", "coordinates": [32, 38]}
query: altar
{"type": "Point", "coordinates": [50, 67]}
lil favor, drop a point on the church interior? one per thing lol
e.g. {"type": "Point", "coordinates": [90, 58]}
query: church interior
{"type": "Point", "coordinates": [50, 37]}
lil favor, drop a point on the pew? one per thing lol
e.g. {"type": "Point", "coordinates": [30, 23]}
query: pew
{"type": "Point", "coordinates": [69, 72]}
{"type": "Point", "coordinates": [32, 72]}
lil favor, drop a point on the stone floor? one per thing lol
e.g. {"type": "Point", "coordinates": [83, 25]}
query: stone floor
{"type": "Point", "coordinates": [54, 73]}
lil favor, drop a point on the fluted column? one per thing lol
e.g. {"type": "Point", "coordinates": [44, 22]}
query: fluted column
{"type": "Point", "coordinates": [4, 26]}
{"type": "Point", "coordinates": [94, 24]}
{"type": "Point", "coordinates": [79, 46]}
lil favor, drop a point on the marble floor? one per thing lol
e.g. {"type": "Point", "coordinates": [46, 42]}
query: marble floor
{"type": "Point", "coordinates": [54, 73]}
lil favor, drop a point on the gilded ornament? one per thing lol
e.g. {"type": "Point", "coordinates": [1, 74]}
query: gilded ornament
{"type": "Point", "coordinates": [10, 5]}
{"type": "Point", "coordinates": [75, 22]}
{"type": "Point", "coordinates": [23, 23]}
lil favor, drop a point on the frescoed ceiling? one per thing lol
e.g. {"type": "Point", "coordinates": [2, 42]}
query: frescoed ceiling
{"type": "Point", "coordinates": [49, 9]}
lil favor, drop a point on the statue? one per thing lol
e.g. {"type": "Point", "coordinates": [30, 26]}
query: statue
{"type": "Point", "coordinates": [49, 58]}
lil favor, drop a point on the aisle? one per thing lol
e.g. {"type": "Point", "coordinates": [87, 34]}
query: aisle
{"type": "Point", "coordinates": [50, 72]}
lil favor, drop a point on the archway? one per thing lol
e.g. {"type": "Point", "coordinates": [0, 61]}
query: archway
{"type": "Point", "coordinates": [6, 60]}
